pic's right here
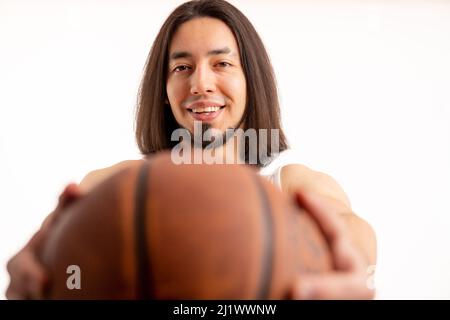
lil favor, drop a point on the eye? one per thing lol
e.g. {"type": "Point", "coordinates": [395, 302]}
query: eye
{"type": "Point", "coordinates": [180, 68]}
{"type": "Point", "coordinates": [224, 64]}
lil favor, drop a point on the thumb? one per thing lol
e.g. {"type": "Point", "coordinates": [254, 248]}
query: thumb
{"type": "Point", "coordinates": [70, 193]}
{"type": "Point", "coordinates": [333, 286]}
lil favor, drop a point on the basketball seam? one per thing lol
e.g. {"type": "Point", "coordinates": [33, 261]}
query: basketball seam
{"type": "Point", "coordinates": [142, 259]}
{"type": "Point", "coordinates": [267, 237]}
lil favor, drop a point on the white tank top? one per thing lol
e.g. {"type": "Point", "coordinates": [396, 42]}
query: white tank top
{"type": "Point", "coordinates": [274, 177]}
{"type": "Point", "coordinates": [273, 171]}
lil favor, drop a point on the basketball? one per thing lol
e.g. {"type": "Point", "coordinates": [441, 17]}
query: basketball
{"type": "Point", "coordinates": [158, 230]}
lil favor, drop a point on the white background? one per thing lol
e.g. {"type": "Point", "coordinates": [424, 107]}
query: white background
{"type": "Point", "coordinates": [365, 97]}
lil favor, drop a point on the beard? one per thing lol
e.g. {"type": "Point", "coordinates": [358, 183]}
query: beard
{"type": "Point", "coordinates": [210, 138]}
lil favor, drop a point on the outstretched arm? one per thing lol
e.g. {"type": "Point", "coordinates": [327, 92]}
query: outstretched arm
{"type": "Point", "coordinates": [351, 239]}
{"type": "Point", "coordinates": [298, 177]}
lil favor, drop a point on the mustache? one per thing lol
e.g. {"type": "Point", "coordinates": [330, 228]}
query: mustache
{"type": "Point", "coordinates": [191, 100]}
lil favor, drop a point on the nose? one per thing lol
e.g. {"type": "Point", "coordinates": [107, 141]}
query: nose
{"type": "Point", "coordinates": [202, 81]}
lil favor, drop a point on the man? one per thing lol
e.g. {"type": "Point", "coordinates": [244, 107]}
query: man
{"type": "Point", "coordinates": [208, 64]}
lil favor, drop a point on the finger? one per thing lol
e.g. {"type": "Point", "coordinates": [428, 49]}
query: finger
{"type": "Point", "coordinates": [37, 282]}
{"type": "Point", "coordinates": [346, 257]}
{"type": "Point", "coordinates": [70, 193]}
{"type": "Point", "coordinates": [337, 286]}
{"type": "Point", "coordinates": [10, 294]}
{"type": "Point", "coordinates": [325, 211]}
{"type": "Point", "coordinates": [28, 277]}
{"type": "Point", "coordinates": [13, 291]}
{"type": "Point", "coordinates": [36, 239]}
{"type": "Point", "coordinates": [16, 287]}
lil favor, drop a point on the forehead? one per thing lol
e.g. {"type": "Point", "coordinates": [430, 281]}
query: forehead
{"type": "Point", "coordinates": [201, 35]}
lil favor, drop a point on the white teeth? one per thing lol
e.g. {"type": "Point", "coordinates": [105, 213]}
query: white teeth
{"type": "Point", "coordinates": [206, 109]}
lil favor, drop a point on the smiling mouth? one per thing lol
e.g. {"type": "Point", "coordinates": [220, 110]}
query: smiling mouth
{"type": "Point", "coordinates": [205, 110]}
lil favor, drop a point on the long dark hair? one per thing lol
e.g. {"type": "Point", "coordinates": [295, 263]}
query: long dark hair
{"type": "Point", "coordinates": [155, 121]}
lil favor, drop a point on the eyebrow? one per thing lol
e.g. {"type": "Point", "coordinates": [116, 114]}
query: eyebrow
{"type": "Point", "coordinates": [185, 54]}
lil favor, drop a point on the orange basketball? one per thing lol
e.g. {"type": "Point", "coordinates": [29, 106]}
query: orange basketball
{"type": "Point", "coordinates": [157, 230]}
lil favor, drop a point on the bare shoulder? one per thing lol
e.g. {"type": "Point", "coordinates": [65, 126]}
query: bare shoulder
{"type": "Point", "coordinates": [96, 176]}
{"type": "Point", "coordinates": [294, 176]}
